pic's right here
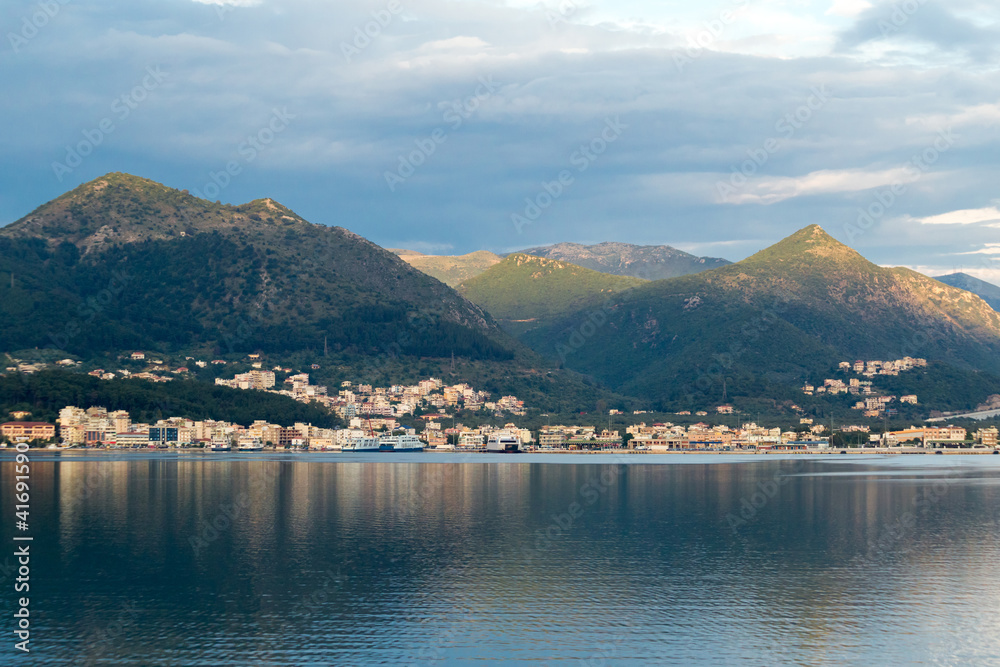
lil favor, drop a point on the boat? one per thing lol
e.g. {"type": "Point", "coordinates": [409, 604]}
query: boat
{"type": "Point", "coordinates": [220, 446]}
{"type": "Point", "coordinates": [367, 444]}
{"type": "Point", "coordinates": [400, 443]}
{"type": "Point", "coordinates": [250, 445]}
{"type": "Point", "coordinates": [408, 443]}
{"type": "Point", "coordinates": [502, 443]}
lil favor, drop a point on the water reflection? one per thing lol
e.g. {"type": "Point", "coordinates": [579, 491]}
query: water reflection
{"type": "Point", "coordinates": [293, 560]}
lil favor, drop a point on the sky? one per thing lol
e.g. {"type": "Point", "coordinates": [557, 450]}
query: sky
{"type": "Point", "coordinates": [448, 126]}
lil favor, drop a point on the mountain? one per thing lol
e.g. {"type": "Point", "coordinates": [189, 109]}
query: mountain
{"type": "Point", "coordinates": [168, 271]}
{"type": "Point", "coordinates": [756, 330]}
{"type": "Point", "coordinates": [524, 291]}
{"type": "Point", "coordinates": [988, 292]}
{"type": "Point", "coordinates": [451, 270]}
{"type": "Point", "coordinates": [650, 262]}
{"type": "Point", "coordinates": [123, 263]}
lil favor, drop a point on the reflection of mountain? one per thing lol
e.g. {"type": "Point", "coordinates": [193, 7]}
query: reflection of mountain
{"type": "Point", "coordinates": [392, 561]}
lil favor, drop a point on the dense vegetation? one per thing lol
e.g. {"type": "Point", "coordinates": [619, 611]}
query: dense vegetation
{"type": "Point", "coordinates": [45, 394]}
{"type": "Point", "coordinates": [524, 292]}
{"type": "Point", "coordinates": [125, 263]}
{"type": "Point", "coordinates": [755, 331]}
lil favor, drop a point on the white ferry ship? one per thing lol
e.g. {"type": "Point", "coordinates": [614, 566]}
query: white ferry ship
{"type": "Point", "coordinates": [250, 445]}
{"type": "Point", "coordinates": [368, 444]}
{"type": "Point", "coordinates": [400, 443]}
{"type": "Point", "coordinates": [219, 445]}
{"type": "Point", "coordinates": [502, 443]}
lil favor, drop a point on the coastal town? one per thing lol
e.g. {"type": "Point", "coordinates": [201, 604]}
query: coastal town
{"type": "Point", "coordinates": [428, 411]}
{"type": "Point", "coordinates": [97, 427]}
{"type": "Point", "coordinates": [874, 403]}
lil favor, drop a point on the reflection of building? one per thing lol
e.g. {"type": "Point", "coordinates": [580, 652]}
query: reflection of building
{"type": "Point", "coordinates": [25, 431]}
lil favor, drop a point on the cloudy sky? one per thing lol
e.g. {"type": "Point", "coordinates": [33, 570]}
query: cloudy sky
{"type": "Point", "coordinates": [455, 125]}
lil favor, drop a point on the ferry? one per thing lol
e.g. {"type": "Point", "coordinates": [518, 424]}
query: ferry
{"type": "Point", "coordinates": [250, 445]}
{"type": "Point", "coordinates": [369, 444]}
{"type": "Point", "coordinates": [503, 444]}
{"type": "Point", "coordinates": [400, 443]}
{"type": "Point", "coordinates": [220, 446]}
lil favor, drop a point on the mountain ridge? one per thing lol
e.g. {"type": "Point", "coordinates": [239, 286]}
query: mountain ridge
{"type": "Point", "coordinates": [987, 291]}
{"type": "Point", "coordinates": [648, 262]}
{"type": "Point", "coordinates": [765, 324]}
{"type": "Point", "coordinates": [123, 263]}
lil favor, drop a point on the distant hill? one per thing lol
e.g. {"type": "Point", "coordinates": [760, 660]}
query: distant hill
{"type": "Point", "coordinates": [123, 263]}
{"type": "Point", "coordinates": [988, 292]}
{"type": "Point", "coordinates": [451, 270]}
{"type": "Point", "coordinates": [650, 262]}
{"type": "Point", "coordinates": [524, 291]}
{"type": "Point", "coordinates": [755, 330]}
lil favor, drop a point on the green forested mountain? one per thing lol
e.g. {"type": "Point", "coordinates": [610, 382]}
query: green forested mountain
{"type": "Point", "coordinates": [759, 328]}
{"type": "Point", "coordinates": [123, 263]}
{"type": "Point", "coordinates": [524, 292]}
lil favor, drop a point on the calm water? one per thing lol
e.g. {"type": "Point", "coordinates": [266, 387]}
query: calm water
{"type": "Point", "coordinates": [565, 560]}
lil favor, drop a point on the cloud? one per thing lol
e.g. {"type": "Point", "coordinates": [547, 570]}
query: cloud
{"type": "Point", "coordinates": [558, 83]}
{"type": "Point", "coordinates": [774, 190]}
{"type": "Point", "coordinates": [848, 8]}
{"type": "Point", "coordinates": [963, 217]}
{"type": "Point", "coordinates": [989, 249]}
{"type": "Point", "coordinates": [933, 31]}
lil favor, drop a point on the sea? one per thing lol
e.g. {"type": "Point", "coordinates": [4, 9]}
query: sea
{"type": "Point", "coordinates": [176, 558]}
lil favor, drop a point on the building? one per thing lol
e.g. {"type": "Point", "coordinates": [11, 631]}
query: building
{"type": "Point", "coordinates": [162, 435]}
{"type": "Point", "coordinates": [987, 436]}
{"type": "Point", "coordinates": [26, 431]}
{"type": "Point", "coordinates": [132, 439]}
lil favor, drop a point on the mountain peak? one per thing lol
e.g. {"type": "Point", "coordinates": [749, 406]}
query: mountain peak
{"type": "Point", "coordinates": [120, 208]}
{"type": "Point", "coordinates": [809, 245]}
